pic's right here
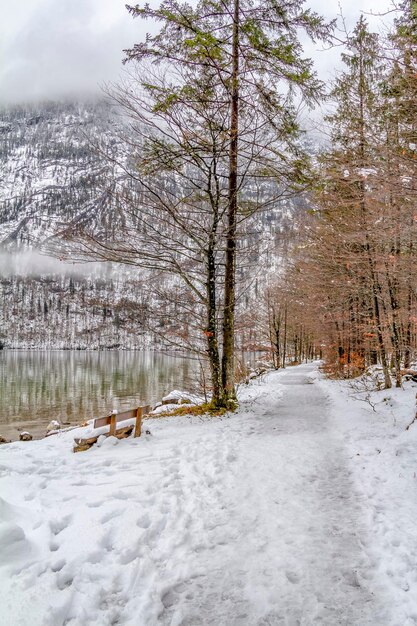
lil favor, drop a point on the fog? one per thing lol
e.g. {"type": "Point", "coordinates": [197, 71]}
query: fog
{"type": "Point", "coordinates": [53, 49]}
{"type": "Point", "coordinates": [32, 263]}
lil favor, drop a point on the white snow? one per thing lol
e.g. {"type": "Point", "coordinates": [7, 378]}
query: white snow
{"type": "Point", "coordinates": [165, 408]}
{"type": "Point", "coordinates": [383, 461]}
{"type": "Point", "coordinates": [299, 509]}
{"type": "Point", "coordinates": [89, 430]}
{"type": "Point", "coordinates": [366, 171]}
{"type": "Point", "coordinates": [179, 397]}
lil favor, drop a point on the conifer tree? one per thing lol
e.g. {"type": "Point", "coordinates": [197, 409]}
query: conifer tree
{"type": "Point", "coordinates": [214, 134]}
{"type": "Point", "coordinates": [247, 50]}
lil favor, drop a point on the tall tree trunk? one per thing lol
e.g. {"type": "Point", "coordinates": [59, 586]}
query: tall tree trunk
{"type": "Point", "coordinates": [228, 377]}
{"type": "Point", "coordinates": [408, 333]}
{"type": "Point", "coordinates": [211, 332]}
{"type": "Point", "coordinates": [395, 210]}
{"type": "Point", "coordinates": [368, 247]}
{"type": "Point", "coordinates": [284, 345]}
{"type": "Point", "coordinates": [380, 336]}
{"type": "Point", "coordinates": [395, 332]}
{"type": "Point", "coordinates": [275, 338]}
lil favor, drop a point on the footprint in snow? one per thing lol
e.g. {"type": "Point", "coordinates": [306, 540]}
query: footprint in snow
{"type": "Point", "coordinates": [64, 580]}
{"type": "Point", "coordinates": [129, 555]}
{"type": "Point", "coordinates": [121, 495]}
{"type": "Point", "coordinates": [58, 525]}
{"type": "Point", "coordinates": [95, 505]}
{"type": "Point", "coordinates": [292, 577]}
{"type": "Point", "coordinates": [58, 565]}
{"type": "Point", "coordinates": [144, 521]}
{"type": "Point", "coordinates": [94, 557]}
{"type": "Point", "coordinates": [110, 516]}
{"type": "Point", "coordinates": [169, 598]}
{"type": "Point", "coordinates": [106, 542]}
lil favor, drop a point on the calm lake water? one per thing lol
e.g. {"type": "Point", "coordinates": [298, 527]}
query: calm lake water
{"type": "Point", "coordinates": [72, 386]}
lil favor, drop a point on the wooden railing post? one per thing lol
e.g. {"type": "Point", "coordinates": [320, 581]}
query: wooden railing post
{"type": "Point", "coordinates": [112, 424]}
{"type": "Point", "coordinates": [138, 425]}
{"type": "Point", "coordinates": [140, 412]}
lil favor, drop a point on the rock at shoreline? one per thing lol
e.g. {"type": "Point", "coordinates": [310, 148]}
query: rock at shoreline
{"type": "Point", "coordinates": [4, 440]}
{"type": "Point", "coordinates": [25, 436]}
{"type": "Point", "coordinates": [53, 425]}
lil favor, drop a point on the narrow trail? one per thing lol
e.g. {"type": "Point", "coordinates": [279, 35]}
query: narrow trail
{"type": "Point", "coordinates": [250, 520]}
{"type": "Point", "coordinates": [285, 544]}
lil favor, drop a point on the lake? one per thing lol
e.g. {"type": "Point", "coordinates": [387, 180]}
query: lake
{"type": "Point", "coordinates": [72, 386]}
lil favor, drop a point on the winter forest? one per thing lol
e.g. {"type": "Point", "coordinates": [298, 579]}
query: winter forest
{"type": "Point", "coordinates": [315, 259]}
{"type": "Point", "coordinates": [220, 242]}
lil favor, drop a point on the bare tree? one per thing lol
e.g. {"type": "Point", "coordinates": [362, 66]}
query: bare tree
{"type": "Point", "coordinates": [212, 140]}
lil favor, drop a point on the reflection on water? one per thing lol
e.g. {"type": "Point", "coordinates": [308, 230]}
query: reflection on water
{"type": "Point", "coordinates": [72, 386]}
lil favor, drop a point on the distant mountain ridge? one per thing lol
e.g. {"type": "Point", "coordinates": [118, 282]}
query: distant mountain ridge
{"type": "Point", "coordinates": [51, 172]}
{"type": "Point", "coordinates": [50, 168]}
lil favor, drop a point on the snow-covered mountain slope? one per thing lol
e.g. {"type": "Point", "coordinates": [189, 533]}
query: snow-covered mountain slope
{"type": "Point", "coordinates": [77, 312]}
{"type": "Point", "coordinates": [50, 167]}
{"type": "Point", "coordinates": [54, 168]}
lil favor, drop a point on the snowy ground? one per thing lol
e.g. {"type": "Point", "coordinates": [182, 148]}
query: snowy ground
{"type": "Point", "coordinates": [301, 509]}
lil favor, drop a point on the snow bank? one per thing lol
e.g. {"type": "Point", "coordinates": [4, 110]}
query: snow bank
{"type": "Point", "coordinates": [166, 408]}
{"type": "Point", "coordinates": [383, 461]}
{"type": "Point", "coordinates": [298, 509]}
{"type": "Point", "coordinates": [174, 399]}
{"type": "Point", "coordinates": [182, 397]}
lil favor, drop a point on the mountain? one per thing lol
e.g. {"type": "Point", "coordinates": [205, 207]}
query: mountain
{"type": "Point", "coordinates": [51, 171]}
{"type": "Point", "coordinates": [50, 166]}
{"type": "Point", "coordinates": [95, 311]}
{"type": "Point", "coordinates": [55, 166]}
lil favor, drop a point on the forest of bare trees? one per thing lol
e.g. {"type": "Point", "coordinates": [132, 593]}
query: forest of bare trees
{"type": "Point", "coordinates": [352, 271]}
{"type": "Point", "coordinates": [213, 139]}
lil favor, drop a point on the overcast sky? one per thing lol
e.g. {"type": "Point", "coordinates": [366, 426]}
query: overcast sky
{"type": "Point", "coordinates": [56, 48]}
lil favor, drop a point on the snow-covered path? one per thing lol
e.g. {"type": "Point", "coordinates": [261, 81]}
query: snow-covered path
{"type": "Point", "coordinates": [287, 547]}
{"type": "Point", "coordinates": [249, 520]}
